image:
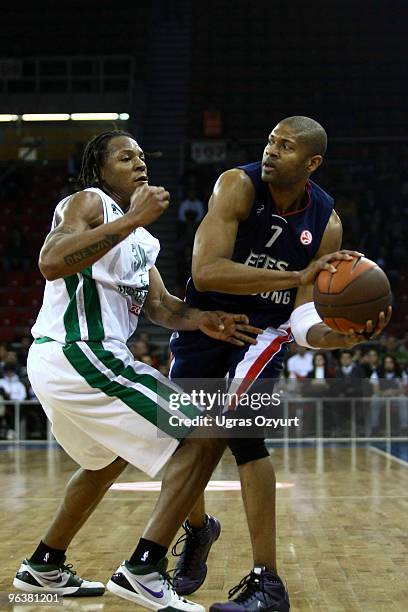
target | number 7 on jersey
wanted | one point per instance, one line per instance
(275, 235)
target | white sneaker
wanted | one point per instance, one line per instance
(61, 579)
(150, 587)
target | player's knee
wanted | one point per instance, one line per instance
(205, 450)
(246, 450)
(106, 476)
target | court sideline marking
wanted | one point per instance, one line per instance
(374, 449)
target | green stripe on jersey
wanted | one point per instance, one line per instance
(93, 312)
(157, 386)
(133, 398)
(71, 321)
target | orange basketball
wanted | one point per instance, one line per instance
(357, 292)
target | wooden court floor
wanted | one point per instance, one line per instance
(342, 528)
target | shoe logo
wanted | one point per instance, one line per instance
(157, 594)
(145, 555)
(57, 580)
(260, 209)
(46, 557)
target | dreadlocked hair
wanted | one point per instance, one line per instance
(93, 157)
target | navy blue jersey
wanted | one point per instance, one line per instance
(272, 240)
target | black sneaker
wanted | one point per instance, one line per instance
(260, 590)
(191, 568)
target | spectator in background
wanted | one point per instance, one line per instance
(11, 384)
(348, 384)
(191, 208)
(316, 384)
(317, 379)
(370, 368)
(357, 355)
(389, 384)
(11, 359)
(301, 363)
(350, 373)
(370, 363)
(139, 349)
(399, 350)
(388, 345)
(11, 387)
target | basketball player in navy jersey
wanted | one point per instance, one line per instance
(258, 251)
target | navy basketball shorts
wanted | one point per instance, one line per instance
(244, 373)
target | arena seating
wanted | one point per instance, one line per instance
(25, 222)
(275, 73)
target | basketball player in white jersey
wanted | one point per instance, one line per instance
(106, 409)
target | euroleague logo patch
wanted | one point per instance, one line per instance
(306, 237)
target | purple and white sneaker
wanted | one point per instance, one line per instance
(149, 586)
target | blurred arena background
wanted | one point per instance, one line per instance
(200, 85)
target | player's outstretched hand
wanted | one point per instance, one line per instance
(370, 332)
(232, 328)
(308, 275)
(147, 203)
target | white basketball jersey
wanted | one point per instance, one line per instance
(104, 300)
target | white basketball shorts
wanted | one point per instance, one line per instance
(103, 404)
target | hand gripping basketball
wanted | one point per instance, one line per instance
(357, 297)
(370, 332)
(309, 274)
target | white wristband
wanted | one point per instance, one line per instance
(301, 320)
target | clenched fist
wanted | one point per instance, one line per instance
(147, 204)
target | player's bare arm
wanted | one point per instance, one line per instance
(81, 237)
(169, 311)
(212, 268)
(321, 335)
